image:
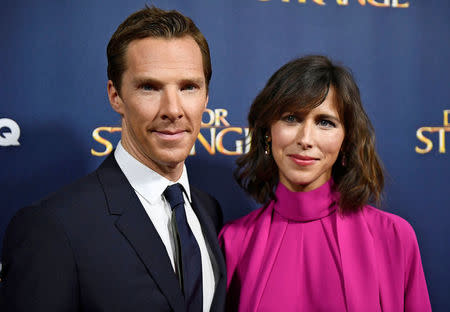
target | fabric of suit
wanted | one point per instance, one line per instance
(92, 247)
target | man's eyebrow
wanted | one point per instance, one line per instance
(147, 80)
(154, 81)
(194, 80)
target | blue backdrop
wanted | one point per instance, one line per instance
(53, 96)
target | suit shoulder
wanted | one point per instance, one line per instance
(203, 195)
(38, 260)
(85, 197)
(80, 190)
(70, 204)
(31, 228)
(28, 217)
(211, 206)
(47, 209)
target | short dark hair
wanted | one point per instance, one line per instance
(157, 23)
(303, 84)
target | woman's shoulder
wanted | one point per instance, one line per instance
(245, 223)
(240, 230)
(385, 223)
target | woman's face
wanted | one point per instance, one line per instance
(305, 147)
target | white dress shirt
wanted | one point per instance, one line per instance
(149, 187)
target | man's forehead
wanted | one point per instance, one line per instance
(184, 50)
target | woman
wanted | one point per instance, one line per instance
(316, 244)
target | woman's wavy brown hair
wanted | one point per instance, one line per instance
(303, 84)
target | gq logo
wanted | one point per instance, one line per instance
(9, 132)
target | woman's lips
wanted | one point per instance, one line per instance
(303, 160)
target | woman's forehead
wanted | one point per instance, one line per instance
(329, 106)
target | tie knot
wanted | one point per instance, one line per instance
(174, 195)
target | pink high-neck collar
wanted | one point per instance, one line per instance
(306, 206)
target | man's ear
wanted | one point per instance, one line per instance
(114, 98)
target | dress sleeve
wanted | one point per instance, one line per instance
(226, 237)
(39, 271)
(416, 293)
(231, 240)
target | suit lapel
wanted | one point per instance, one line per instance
(135, 225)
(210, 235)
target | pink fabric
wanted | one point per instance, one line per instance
(299, 254)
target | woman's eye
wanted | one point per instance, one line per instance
(289, 118)
(326, 123)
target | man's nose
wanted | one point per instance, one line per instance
(171, 107)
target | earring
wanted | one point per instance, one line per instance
(343, 160)
(267, 146)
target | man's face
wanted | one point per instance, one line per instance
(161, 101)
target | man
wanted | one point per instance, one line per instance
(121, 239)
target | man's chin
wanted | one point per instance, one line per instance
(171, 160)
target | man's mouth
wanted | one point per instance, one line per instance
(170, 134)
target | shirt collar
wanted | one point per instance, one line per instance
(144, 180)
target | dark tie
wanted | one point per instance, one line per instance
(188, 259)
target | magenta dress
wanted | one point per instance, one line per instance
(299, 254)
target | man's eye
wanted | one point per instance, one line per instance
(147, 87)
(189, 87)
(327, 123)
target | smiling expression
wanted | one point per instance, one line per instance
(162, 98)
(306, 146)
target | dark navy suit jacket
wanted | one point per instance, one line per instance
(92, 247)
